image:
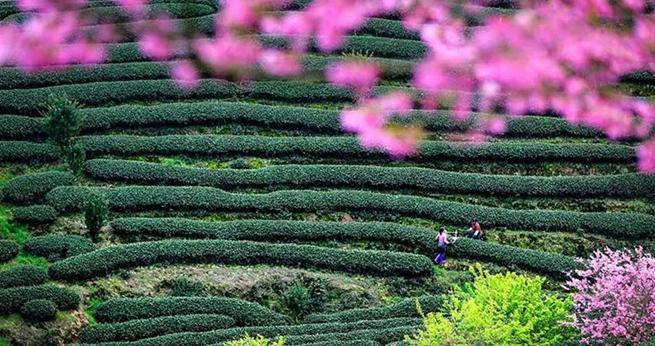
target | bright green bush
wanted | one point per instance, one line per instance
(58, 246)
(22, 275)
(420, 239)
(404, 308)
(36, 214)
(138, 198)
(12, 299)
(376, 177)
(360, 342)
(244, 312)
(340, 147)
(302, 333)
(109, 259)
(28, 152)
(151, 327)
(255, 341)
(32, 188)
(8, 250)
(39, 310)
(501, 309)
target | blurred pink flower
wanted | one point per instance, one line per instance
(646, 156)
(185, 74)
(279, 63)
(358, 75)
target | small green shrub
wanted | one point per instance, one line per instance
(22, 275)
(75, 156)
(183, 287)
(297, 299)
(12, 299)
(36, 214)
(95, 214)
(240, 164)
(39, 310)
(256, 341)
(32, 188)
(8, 250)
(62, 119)
(58, 246)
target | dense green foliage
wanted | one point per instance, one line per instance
(404, 308)
(420, 239)
(22, 275)
(339, 147)
(386, 178)
(36, 214)
(281, 117)
(32, 188)
(255, 341)
(302, 333)
(27, 101)
(28, 152)
(244, 312)
(138, 198)
(146, 328)
(12, 299)
(11, 78)
(62, 120)
(75, 157)
(39, 310)
(95, 214)
(8, 250)
(109, 259)
(58, 246)
(500, 309)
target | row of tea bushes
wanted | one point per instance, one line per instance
(110, 259)
(141, 198)
(375, 177)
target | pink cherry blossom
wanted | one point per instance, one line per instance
(185, 74)
(280, 64)
(646, 156)
(358, 75)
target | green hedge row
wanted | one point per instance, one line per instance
(282, 117)
(339, 147)
(404, 308)
(8, 250)
(32, 188)
(388, 178)
(39, 310)
(386, 334)
(13, 127)
(58, 246)
(147, 328)
(110, 259)
(387, 28)
(11, 299)
(301, 330)
(128, 309)
(29, 101)
(115, 14)
(137, 198)
(22, 275)
(36, 214)
(28, 152)
(421, 240)
(8, 7)
(13, 78)
(376, 46)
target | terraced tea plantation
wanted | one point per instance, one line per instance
(242, 208)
